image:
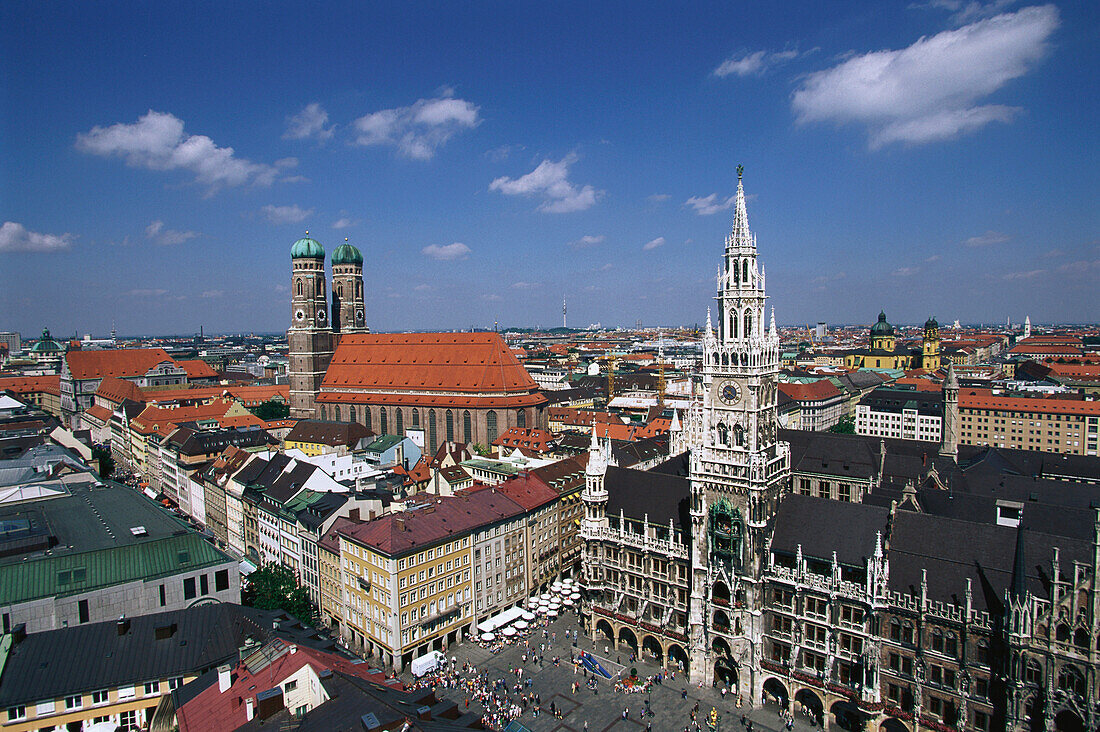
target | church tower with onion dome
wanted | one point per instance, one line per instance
(309, 339)
(737, 464)
(348, 312)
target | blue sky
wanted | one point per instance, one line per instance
(157, 160)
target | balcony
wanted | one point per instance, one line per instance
(364, 584)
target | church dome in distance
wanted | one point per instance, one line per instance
(46, 344)
(931, 322)
(307, 248)
(882, 328)
(347, 254)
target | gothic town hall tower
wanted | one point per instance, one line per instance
(737, 465)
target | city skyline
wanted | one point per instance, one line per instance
(929, 159)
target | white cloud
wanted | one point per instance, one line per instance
(587, 241)
(933, 258)
(423, 288)
(607, 267)
(15, 237)
(658, 197)
(419, 130)
(157, 142)
(344, 222)
(989, 238)
(551, 181)
(492, 297)
(1024, 275)
(147, 292)
(312, 121)
(167, 237)
(286, 214)
(653, 244)
(823, 279)
(210, 294)
(755, 63)
(708, 205)
(930, 90)
(905, 271)
(521, 285)
(966, 12)
(446, 252)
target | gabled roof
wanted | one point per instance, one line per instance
(196, 368)
(639, 494)
(31, 384)
(115, 390)
(474, 363)
(815, 391)
(121, 363)
(333, 434)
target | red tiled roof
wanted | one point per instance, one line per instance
(114, 389)
(196, 368)
(124, 362)
(814, 391)
(528, 491)
(31, 384)
(531, 438)
(213, 709)
(513, 401)
(986, 399)
(155, 419)
(103, 414)
(473, 363)
(444, 518)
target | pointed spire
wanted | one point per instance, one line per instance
(740, 235)
(950, 382)
(710, 328)
(771, 325)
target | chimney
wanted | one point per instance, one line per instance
(400, 524)
(123, 625)
(18, 634)
(372, 514)
(269, 702)
(249, 710)
(225, 678)
(353, 514)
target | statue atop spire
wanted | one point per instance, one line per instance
(740, 235)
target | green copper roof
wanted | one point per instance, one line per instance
(882, 327)
(347, 254)
(307, 247)
(46, 344)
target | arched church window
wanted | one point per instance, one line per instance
(725, 360)
(340, 291)
(351, 414)
(736, 273)
(359, 288)
(748, 324)
(382, 421)
(723, 434)
(745, 271)
(467, 427)
(416, 417)
(431, 430)
(298, 287)
(321, 287)
(491, 426)
(521, 418)
(733, 324)
(450, 426)
(739, 435)
(366, 417)
(399, 419)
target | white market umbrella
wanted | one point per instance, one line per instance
(546, 596)
(522, 624)
(527, 616)
(567, 602)
(552, 613)
(555, 606)
(532, 602)
(542, 610)
(488, 637)
(508, 632)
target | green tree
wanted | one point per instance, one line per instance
(272, 409)
(106, 462)
(274, 587)
(846, 426)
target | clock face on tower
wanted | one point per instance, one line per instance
(729, 393)
(299, 314)
(320, 316)
(359, 315)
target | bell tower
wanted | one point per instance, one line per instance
(930, 345)
(348, 313)
(309, 338)
(737, 465)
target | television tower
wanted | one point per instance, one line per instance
(563, 325)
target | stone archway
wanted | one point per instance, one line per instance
(848, 716)
(893, 724)
(1068, 721)
(604, 627)
(720, 621)
(725, 672)
(774, 689)
(678, 657)
(626, 635)
(810, 704)
(720, 593)
(652, 647)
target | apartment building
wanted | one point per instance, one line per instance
(902, 414)
(1070, 426)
